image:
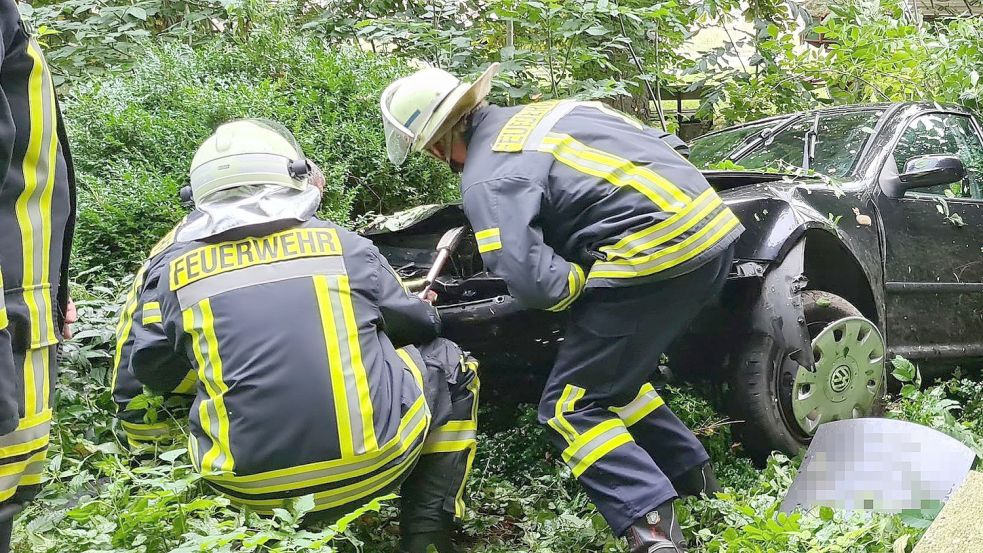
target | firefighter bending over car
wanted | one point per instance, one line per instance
(577, 206)
(37, 217)
(314, 371)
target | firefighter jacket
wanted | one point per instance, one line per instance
(296, 338)
(37, 198)
(565, 195)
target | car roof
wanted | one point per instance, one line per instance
(891, 107)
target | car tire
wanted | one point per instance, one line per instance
(761, 403)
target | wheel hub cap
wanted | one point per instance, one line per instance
(848, 376)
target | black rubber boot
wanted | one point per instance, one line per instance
(696, 481)
(421, 542)
(6, 527)
(657, 532)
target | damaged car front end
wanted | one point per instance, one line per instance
(798, 336)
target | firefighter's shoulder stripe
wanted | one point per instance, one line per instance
(216, 259)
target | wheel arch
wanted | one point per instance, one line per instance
(829, 265)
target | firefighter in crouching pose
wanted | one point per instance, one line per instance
(577, 206)
(313, 370)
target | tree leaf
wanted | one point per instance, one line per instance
(137, 12)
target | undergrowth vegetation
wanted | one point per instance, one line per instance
(100, 497)
(146, 81)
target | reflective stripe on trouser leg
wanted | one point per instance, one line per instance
(438, 482)
(23, 451)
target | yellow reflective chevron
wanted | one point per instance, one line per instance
(489, 240)
(594, 444)
(566, 404)
(615, 170)
(575, 286)
(645, 402)
(700, 241)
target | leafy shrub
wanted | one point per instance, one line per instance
(134, 134)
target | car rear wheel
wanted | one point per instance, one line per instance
(782, 411)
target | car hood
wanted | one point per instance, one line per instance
(734, 186)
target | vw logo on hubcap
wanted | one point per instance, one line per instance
(840, 379)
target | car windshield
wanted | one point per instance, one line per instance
(709, 150)
(840, 137)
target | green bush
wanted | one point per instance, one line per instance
(134, 134)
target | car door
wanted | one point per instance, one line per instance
(933, 241)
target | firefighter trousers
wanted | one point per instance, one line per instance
(615, 432)
(433, 492)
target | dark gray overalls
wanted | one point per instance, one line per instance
(577, 206)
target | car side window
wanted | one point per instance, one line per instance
(945, 133)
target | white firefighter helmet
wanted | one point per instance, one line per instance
(249, 172)
(248, 152)
(419, 109)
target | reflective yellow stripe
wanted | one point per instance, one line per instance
(12, 474)
(594, 444)
(187, 385)
(645, 402)
(151, 313)
(353, 404)
(33, 213)
(346, 495)
(33, 206)
(3, 304)
(358, 367)
(575, 285)
(411, 364)
(199, 322)
(149, 432)
(412, 427)
(618, 171)
(664, 231)
(218, 384)
(32, 433)
(489, 240)
(566, 404)
(700, 241)
(333, 346)
(474, 387)
(451, 437)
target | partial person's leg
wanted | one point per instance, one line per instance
(433, 493)
(595, 370)
(664, 315)
(6, 527)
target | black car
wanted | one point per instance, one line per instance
(864, 240)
